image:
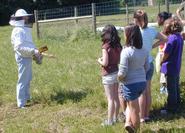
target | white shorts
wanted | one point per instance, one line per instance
(162, 78)
(158, 61)
(110, 78)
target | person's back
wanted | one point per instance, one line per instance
(132, 74)
(148, 35)
(113, 58)
(111, 49)
(174, 48)
(136, 60)
(171, 63)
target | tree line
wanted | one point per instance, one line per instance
(8, 7)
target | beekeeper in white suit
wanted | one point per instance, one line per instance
(25, 49)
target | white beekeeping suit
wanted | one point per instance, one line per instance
(25, 49)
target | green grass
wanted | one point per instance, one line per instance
(67, 94)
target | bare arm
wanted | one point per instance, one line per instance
(183, 35)
(104, 59)
(123, 66)
(156, 44)
(161, 39)
(164, 58)
(178, 14)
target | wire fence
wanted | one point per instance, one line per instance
(68, 19)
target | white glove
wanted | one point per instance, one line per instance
(37, 57)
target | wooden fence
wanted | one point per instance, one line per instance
(75, 18)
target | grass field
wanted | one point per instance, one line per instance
(67, 94)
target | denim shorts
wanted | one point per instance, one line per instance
(110, 78)
(131, 92)
(149, 73)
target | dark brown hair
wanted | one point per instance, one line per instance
(163, 16)
(172, 25)
(133, 36)
(110, 36)
(141, 16)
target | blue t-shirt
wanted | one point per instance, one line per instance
(174, 48)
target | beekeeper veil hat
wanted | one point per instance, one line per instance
(18, 18)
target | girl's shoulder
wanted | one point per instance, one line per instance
(105, 46)
(173, 36)
(150, 28)
(128, 50)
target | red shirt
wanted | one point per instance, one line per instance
(113, 59)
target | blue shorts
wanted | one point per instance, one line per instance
(131, 92)
(150, 72)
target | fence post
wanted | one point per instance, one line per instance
(94, 17)
(127, 14)
(76, 14)
(184, 11)
(159, 7)
(37, 24)
(167, 5)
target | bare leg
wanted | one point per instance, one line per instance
(116, 101)
(148, 98)
(134, 113)
(109, 91)
(142, 105)
(128, 116)
(123, 103)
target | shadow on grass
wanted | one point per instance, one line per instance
(170, 130)
(180, 113)
(62, 96)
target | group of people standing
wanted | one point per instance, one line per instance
(127, 71)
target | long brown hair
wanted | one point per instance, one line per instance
(172, 25)
(133, 36)
(141, 16)
(110, 36)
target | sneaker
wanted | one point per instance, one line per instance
(129, 128)
(115, 120)
(163, 90)
(22, 107)
(121, 117)
(164, 112)
(166, 91)
(107, 123)
(142, 120)
(147, 119)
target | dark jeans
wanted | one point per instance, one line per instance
(173, 99)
